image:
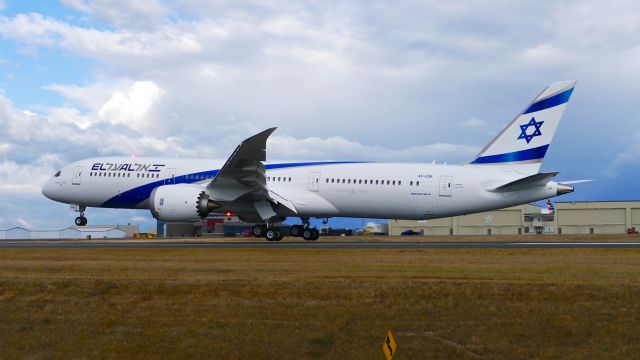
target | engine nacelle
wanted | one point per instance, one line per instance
(174, 203)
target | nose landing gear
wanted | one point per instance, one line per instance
(80, 220)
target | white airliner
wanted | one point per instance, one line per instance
(505, 173)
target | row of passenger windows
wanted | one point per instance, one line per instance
(279, 178)
(368, 182)
(198, 177)
(128, 175)
(349, 181)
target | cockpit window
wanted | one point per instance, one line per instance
(57, 174)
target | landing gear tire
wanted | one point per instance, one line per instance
(296, 230)
(310, 234)
(81, 221)
(259, 230)
(273, 235)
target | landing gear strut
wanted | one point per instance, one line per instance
(81, 220)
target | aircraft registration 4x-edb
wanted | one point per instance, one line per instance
(505, 173)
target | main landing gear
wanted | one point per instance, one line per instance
(274, 234)
(80, 220)
(267, 231)
(304, 231)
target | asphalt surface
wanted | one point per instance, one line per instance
(31, 244)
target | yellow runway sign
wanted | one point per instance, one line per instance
(389, 346)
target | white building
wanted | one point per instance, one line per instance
(19, 233)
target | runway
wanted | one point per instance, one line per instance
(31, 244)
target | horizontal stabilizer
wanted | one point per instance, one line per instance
(526, 182)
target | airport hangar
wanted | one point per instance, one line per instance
(575, 217)
(579, 217)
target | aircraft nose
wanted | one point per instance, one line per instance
(47, 190)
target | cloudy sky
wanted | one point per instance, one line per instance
(342, 80)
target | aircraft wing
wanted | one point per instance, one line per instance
(242, 178)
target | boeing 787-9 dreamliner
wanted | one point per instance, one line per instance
(504, 173)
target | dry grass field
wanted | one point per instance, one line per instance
(319, 304)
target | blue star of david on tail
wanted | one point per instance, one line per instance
(525, 127)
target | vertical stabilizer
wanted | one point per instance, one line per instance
(523, 144)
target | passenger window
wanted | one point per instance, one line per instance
(327, 180)
(399, 182)
(290, 179)
(417, 183)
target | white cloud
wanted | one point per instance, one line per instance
(35, 30)
(24, 223)
(121, 13)
(26, 180)
(628, 157)
(5, 147)
(545, 55)
(132, 109)
(339, 148)
(474, 123)
(353, 81)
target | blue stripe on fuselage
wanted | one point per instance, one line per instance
(523, 155)
(131, 198)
